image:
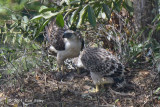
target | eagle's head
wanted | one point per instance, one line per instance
(71, 35)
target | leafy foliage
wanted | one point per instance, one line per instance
(59, 20)
(81, 11)
(91, 16)
(19, 7)
(20, 50)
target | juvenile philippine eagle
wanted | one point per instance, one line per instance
(63, 43)
(104, 67)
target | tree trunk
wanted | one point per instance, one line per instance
(156, 35)
(144, 13)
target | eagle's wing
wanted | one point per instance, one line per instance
(101, 61)
(54, 35)
(82, 41)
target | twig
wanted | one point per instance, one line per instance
(123, 94)
(45, 79)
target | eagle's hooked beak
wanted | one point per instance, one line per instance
(67, 35)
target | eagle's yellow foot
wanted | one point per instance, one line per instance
(61, 69)
(97, 88)
(78, 70)
(94, 90)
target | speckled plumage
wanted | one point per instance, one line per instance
(103, 65)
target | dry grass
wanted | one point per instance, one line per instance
(42, 89)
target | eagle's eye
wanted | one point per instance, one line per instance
(67, 35)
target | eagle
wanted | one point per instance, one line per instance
(63, 43)
(104, 67)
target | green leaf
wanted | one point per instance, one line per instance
(5, 40)
(107, 11)
(127, 7)
(156, 18)
(116, 100)
(14, 17)
(14, 38)
(24, 22)
(20, 39)
(91, 16)
(157, 90)
(73, 16)
(45, 13)
(42, 8)
(48, 9)
(97, 7)
(38, 17)
(117, 5)
(75, 2)
(60, 20)
(48, 14)
(103, 15)
(81, 16)
(67, 2)
(150, 34)
(129, 2)
(0, 75)
(97, 11)
(35, 46)
(41, 28)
